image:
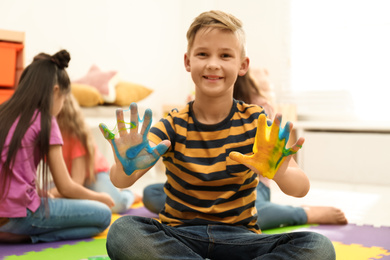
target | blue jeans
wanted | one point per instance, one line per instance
(154, 197)
(123, 198)
(271, 215)
(133, 237)
(67, 219)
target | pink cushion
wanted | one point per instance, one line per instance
(103, 81)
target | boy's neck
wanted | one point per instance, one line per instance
(211, 112)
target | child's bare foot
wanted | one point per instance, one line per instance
(137, 198)
(325, 215)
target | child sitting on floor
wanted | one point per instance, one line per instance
(86, 165)
(271, 215)
(213, 151)
(29, 134)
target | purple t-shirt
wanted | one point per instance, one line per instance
(23, 193)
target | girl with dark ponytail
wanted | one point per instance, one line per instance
(31, 143)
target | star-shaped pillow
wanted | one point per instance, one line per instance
(103, 81)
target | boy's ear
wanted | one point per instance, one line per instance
(187, 62)
(244, 67)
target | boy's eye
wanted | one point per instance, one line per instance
(225, 55)
(202, 54)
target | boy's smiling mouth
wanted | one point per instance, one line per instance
(212, 77)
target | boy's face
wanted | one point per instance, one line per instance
(215, 61)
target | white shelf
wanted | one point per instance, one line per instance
(353, 126)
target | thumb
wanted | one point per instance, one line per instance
(162, 147)
(243, 159)
(238, 157)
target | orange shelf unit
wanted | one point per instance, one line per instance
(5, 94)
(11, 61)
(8, 54)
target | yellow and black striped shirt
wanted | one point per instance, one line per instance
(204, 186)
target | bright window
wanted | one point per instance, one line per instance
(340, 49)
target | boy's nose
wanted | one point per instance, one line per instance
(212, 65)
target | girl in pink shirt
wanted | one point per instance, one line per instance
(30, 135)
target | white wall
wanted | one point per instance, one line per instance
(332, 156)
(145, 40)
(341, 59)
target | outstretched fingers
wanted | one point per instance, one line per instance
(261, 132)
(275, 128)
(278, 119)
(147, 121)
(298, 145)
(106, 132)
(120, 122)
(133, 118)
(261, 125)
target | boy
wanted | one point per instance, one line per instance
(210, 208)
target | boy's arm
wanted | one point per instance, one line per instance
(271, 159)
(121, 180)
(133, 153)
(292, 180)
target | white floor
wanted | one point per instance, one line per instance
(362, 204)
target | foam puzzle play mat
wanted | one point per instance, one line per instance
(352, 242)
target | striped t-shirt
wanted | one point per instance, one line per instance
(204, 186)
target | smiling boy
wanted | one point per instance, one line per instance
(211, 168)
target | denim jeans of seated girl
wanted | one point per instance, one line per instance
(68, 219)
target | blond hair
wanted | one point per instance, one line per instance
(72, 124)
(216, 19)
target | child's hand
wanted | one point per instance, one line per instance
(269, 151)
(106, 199)
(132, 149)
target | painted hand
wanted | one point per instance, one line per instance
(132, 149)
(269, 151)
